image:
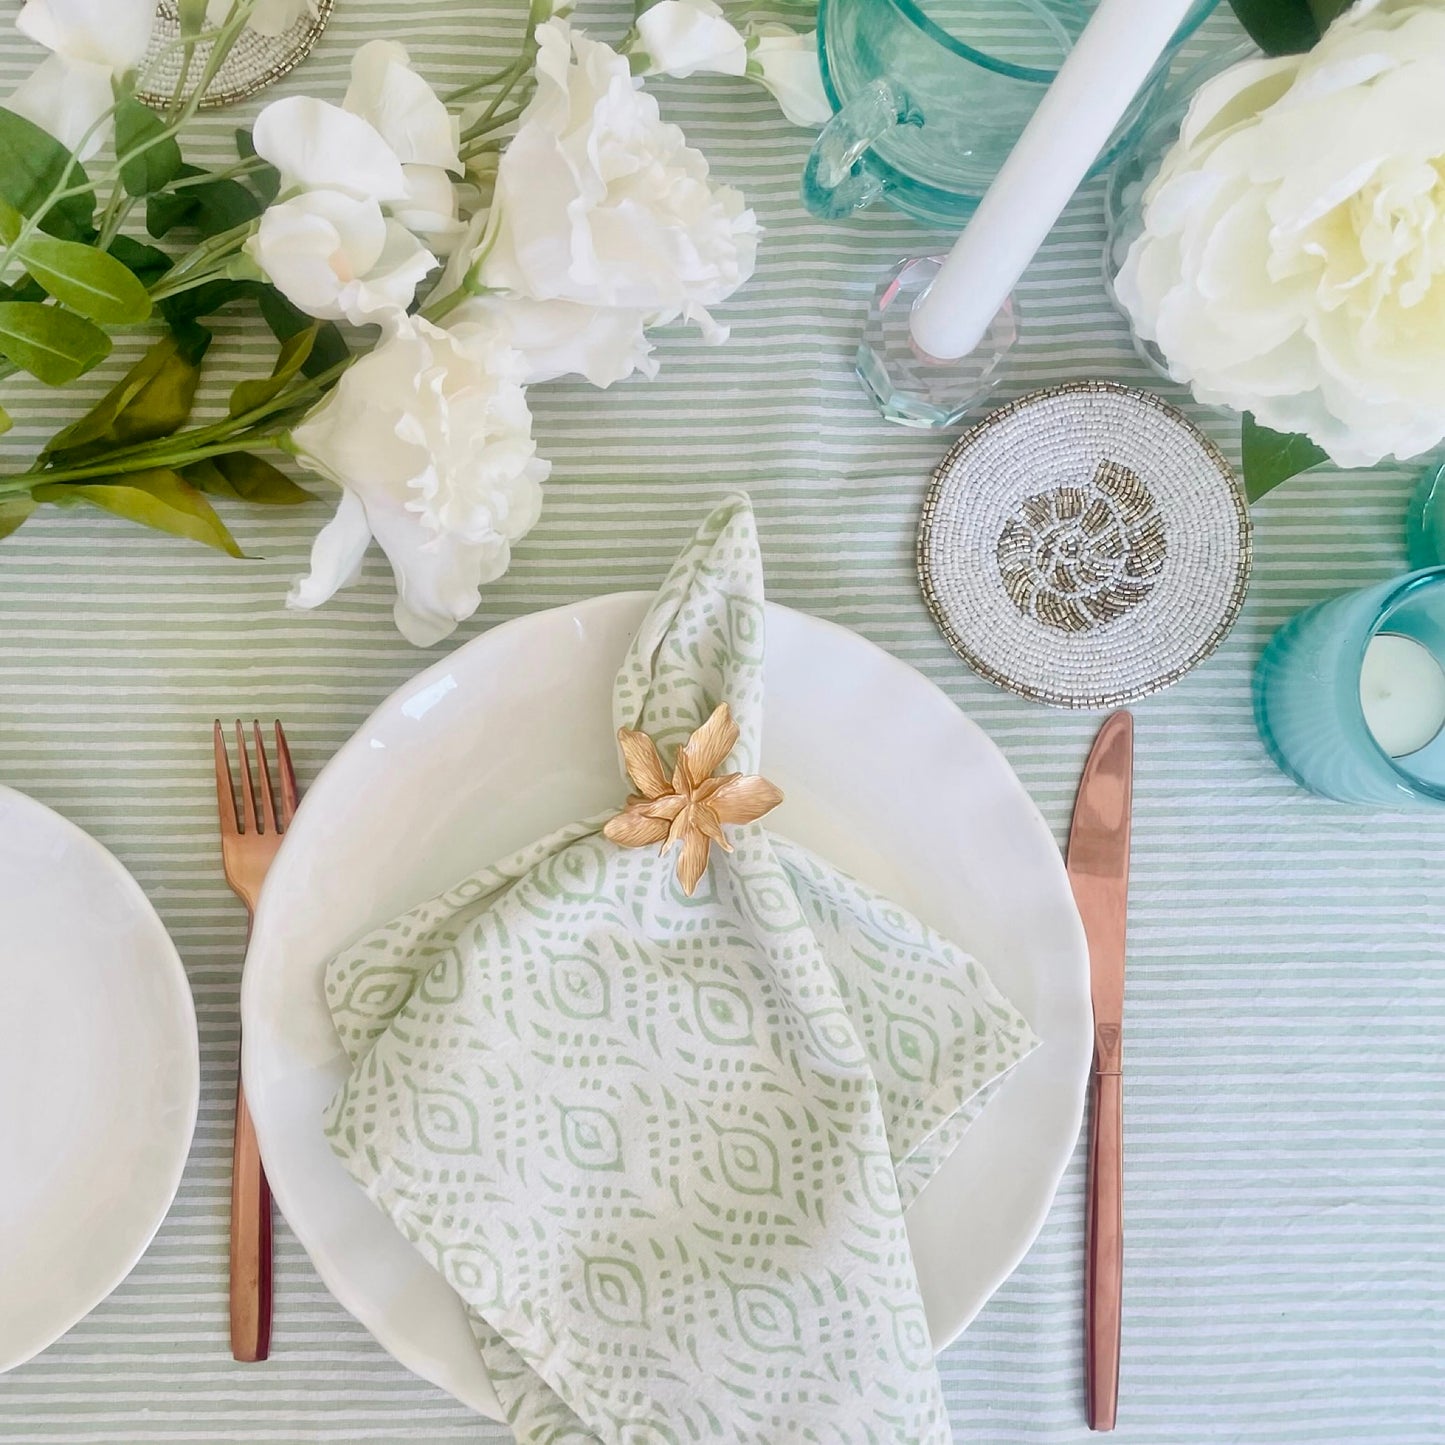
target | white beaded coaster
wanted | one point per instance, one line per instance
(1084, 546)
(255, 61)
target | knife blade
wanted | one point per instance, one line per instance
(1098, 867)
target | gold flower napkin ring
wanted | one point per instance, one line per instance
(693, 805)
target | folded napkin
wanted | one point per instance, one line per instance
(661, 1145)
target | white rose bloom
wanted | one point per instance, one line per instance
(339, 258)
(93, 42)
(599, 202)
(561, 338)
(430, 439)
(1292, 262)
(786, 63)
(682, 37)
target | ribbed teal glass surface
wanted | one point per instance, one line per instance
(1307, 694)
(932, 95)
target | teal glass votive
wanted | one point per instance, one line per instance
(1425, 519)
(1350, 695)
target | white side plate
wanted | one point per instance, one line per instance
(510, 737)
(99, 1075)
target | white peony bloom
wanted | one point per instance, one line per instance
(316, 145)
(1292, 261)
(561, 338)
(599, 202)
(430, 439)
(339, 258)
(787, 64)
(682, 37)
(93, 42)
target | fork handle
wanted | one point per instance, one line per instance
(250, 1242)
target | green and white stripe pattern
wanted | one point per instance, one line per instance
(1286, 1006)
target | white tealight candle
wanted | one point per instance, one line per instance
(1402, 693)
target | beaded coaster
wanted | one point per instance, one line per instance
(1084, 546)
(255, 61)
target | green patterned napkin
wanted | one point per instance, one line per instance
(660, 1145)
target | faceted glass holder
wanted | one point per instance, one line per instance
(907, 385)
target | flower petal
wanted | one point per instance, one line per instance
(707, 749)
(634, 829)
(692, 861)
(65, 97)
(644, 767)
(406, 112)
(336, 555)
(682, 37)
(112, 33)
(666, 807)
(745, 799)
(314, 144)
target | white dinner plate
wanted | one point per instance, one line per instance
(510, 737)
(99, 1075)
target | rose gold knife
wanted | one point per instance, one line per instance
(1098, 866)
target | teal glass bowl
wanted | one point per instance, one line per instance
(931, 95)
(1307, 694)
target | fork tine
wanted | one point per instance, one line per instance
(225, 784)
(248, 790)
(289, 792)
(268, 793)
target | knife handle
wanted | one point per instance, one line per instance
(1104, 1253)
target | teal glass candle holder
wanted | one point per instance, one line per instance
(1425, 519)
(1379, 744)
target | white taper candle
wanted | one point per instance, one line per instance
(1104, 71)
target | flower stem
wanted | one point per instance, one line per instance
(509, 72)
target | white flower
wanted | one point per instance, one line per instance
(682, 37)
(267, 17)
(93, 42)
(599, 202)
(787, 64)
(562, 338)
(423, 135)
(316, 145)
(430, 438)
(1292, 262)
(338, 257)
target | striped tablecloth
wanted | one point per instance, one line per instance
(1286, 1013)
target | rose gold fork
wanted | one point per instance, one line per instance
(248, 845)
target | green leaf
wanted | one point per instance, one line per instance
(209, 207)
(5, 422)
(10, 222)
(158, 498)
(156, 166)
(151, 400)
(192, 16)
(14, 512)
(207, 298)
(146, 263)
(248, 478)
(1272, 457)
(285, 320)
(49, 342)
(91, 282)
(248, 395)
(31, 165)
(1278, 27)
